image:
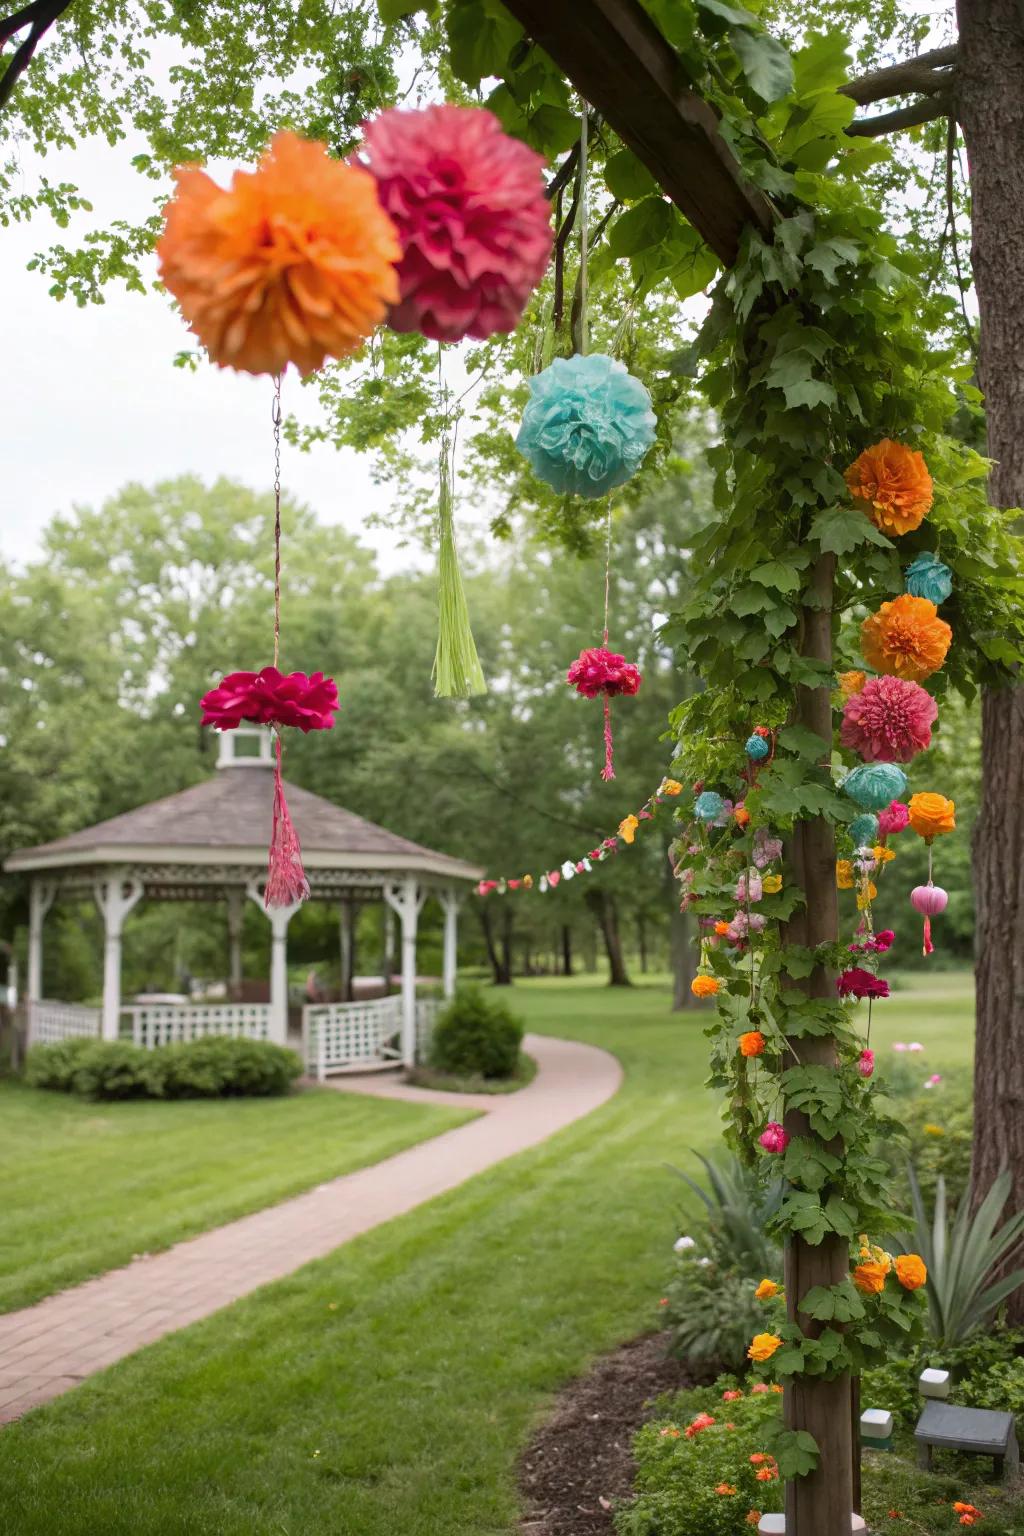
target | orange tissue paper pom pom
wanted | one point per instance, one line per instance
(851, 683)
(931, 815)
(870, 1278)
(752, 1043)
(911, 1271)
(766, 1290)
(293, 263)
(704, 986)
(906, 638)
(895, 483)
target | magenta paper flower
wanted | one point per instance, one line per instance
(469, 206)
(889, 720)
(883, 941)
(866, 1063)
(895, 818)
(270, 698)
(599, 670)
(774, 1138)
(856, 982)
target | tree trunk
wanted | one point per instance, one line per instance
(990, 107)
(641, 937)
(681, 948)
(505, 978)
(499, 971)
(567, 949)
(602, 905)
(821, 1503)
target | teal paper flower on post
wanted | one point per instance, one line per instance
(588, 425)
(928, 577)
(874, 785)
(864, 830)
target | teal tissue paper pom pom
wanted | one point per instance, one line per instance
(588, 425)
(864, 830)
(874, 785)
(757, 748)
(928, 577)
(708, 806)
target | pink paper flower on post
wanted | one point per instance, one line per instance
(269, 697)
(468, 203)
(856, 982)
(889, 720)
(774, 1138)
(866, 1063)
(895, 818)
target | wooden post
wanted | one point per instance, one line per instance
(822, 1503)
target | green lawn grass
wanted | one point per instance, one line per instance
(86, 1186)
(390, 1387)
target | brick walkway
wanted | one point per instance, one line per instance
(49, 1348)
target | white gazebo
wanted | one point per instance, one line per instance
(209, 843)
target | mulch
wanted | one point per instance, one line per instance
(578, 1466)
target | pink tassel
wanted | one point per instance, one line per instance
(929, 947)
(608, 771)
(286, 878)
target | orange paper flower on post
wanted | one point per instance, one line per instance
(906, 638)
(752, 1043)
(931, 815)
(911, 1271)
(869, 1278)
(293, 263)
(763, 1346)
(704, 986)
(894, 482)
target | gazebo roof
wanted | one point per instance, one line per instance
(225, 821)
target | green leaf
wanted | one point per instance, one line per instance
(795, 1450)
(628, 178)
(640, 227)
(812, 392)
(839, 530)
(830, 255)
(553, 130)
(481, 35)
(765, 62)
(733, 14)
(804, 742)
(394, 10)
(774, 574)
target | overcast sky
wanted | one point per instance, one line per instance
(92, 400)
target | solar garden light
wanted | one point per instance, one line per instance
(934, 1383)
(876, 1426)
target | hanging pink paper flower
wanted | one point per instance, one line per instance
(766, 848)
(866, 1063)
(469, 206)
(883, 941)
(856, 982)
(889, 720)
(270, 698)
(599, 670)
(774, 1138)
(895, 818)
(749, 887)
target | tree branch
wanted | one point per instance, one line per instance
(924, 111)
(924, 75)
(40, 16)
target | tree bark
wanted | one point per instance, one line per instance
(566, 950)
(641, 937)
(684, 969)
(990, 108)
(499, 971)
(602, 905)
(507, 924)
(820, 1504)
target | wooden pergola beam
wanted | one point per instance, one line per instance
(623, 66)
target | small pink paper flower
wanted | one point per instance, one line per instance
(866, 1063)
(856, 982)
(899, 1045)
(889, 720)
(469, 206)
(883, 941)
(749, 887)
(774, 1138)
(895, 818)
(766, 848)
(599, 670)
(270, 698)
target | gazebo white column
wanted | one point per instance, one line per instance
(450, 900)
(236, 899)
(279, 918)
(115, 896)
(407, 900)
(40, 900)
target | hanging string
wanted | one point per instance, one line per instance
(275, 416)
(584, 236)
(607, 563)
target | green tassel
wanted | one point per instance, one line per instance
(457, 671)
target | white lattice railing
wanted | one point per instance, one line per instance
(48, 1022)
(427, 1010)
(337, 1036)
(152, 1024)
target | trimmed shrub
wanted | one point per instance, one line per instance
(475, 1034)
(215, 1067)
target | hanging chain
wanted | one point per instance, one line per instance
(275, 416)
(584, 236)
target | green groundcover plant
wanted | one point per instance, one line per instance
(217, 1067)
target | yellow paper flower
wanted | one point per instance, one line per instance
(883, 855)
(766, 1290)
(671, 787)
(866, 896)
(844, 874)
(851, 683)
(627, 828)
(763, 1346)
(933, 1130)
(771, 884)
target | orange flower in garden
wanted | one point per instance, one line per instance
(767, 1474)
(870, 1278)
(931, 815)
(701, 1422)
(776, 1388)
(766, 1290)
(844, 874)
(754, 1517)
(911, 1271)
(671, 1433)
(761, 1458)
(731, 1397)
(742, 815)
(752, 1043)
(969, 1513)
(763, 1346)
(627, 828)
(906, 638)
(293, 263)
(704, 986)
(721, 928)
(725, 1489)
(851, 683)
(895, 482)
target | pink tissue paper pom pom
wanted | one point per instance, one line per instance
(889, 721)
(602, 671)
(866, 1064)
(856, 982)
(895, 818)
(773, 1138)
(271, 698)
